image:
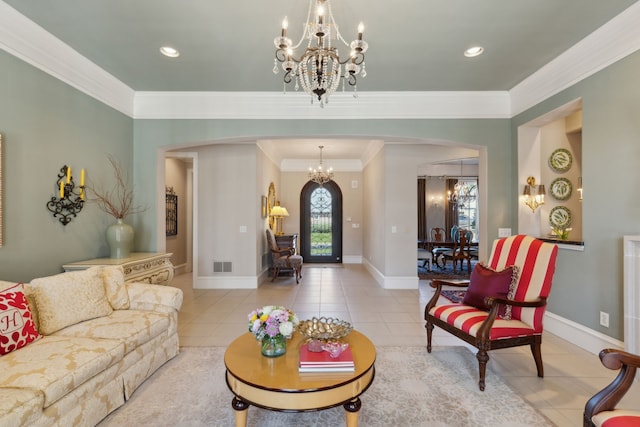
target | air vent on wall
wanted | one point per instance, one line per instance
(222, 266)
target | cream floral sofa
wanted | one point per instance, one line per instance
(99, 339)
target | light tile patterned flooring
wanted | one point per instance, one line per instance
(395, 318)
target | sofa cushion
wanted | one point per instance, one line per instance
(20, 407)
(116, 289)
(17, 328)
(132, 327)
(56, 365)
(68, 298)
(469, 319)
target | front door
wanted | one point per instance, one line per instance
(321, 223)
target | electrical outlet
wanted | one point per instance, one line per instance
(604, 319)
(504, 232)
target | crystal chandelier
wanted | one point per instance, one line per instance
(319, 69)
(319, 175)
(462, 192)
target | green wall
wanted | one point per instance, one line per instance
(46, 124)
(591, 281)
(150, 135)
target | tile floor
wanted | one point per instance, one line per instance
(395, 318)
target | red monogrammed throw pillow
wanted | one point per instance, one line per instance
(17, 328)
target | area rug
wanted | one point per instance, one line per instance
(411, 388)
(445, 273)
(453, 296)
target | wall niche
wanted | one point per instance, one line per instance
(550, 150)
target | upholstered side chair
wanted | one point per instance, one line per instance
(283, 258)
(504, 303)
(600, 410)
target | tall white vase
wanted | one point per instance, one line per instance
(120, 239)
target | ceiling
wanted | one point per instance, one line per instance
(227, 45)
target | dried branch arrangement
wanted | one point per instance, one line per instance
(118, 201)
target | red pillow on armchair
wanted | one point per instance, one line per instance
(486, 282)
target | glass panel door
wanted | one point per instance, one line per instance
(321, 223)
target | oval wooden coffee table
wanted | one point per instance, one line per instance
(276, 384)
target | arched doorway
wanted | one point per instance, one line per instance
(321, 223)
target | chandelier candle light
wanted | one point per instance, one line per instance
(319, 69)
(319, 175)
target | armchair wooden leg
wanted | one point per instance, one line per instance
(276, 271)
(537, 356)
(483, 358)
(429, 327)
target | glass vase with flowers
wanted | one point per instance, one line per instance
(272, 325)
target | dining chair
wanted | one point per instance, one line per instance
(436, 234)
(461, 250)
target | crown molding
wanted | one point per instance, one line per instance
(29, 42)
(26, 40)
(337, 165)
(608, 44)
(295, 105)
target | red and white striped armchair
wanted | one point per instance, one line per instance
(500, 320)
(600, 410)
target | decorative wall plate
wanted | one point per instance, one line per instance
(560, 217)
(560, 160)
(561, 188)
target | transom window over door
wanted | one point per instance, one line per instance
(321, 223)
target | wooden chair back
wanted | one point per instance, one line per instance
(437, 234)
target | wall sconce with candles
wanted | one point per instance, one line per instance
(278, 213)
(69, 199)
(437, 200)
(533, 194)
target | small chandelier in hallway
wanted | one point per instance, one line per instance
(319, 69)
(319, 175)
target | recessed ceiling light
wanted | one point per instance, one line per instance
(473, 51)
(169, 51)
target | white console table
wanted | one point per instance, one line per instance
(145, 267)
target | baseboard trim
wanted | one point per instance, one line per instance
(352, 259)
(391, 282)
(180, 269)
(401, 282)
(575, 333)
(226, 282)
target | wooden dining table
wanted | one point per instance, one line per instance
(429, 245)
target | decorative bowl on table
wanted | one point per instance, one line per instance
(324, 328)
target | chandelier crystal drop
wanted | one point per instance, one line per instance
(462, 193)
(319, 70)
(319, 175)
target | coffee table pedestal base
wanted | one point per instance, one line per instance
(241, 410)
